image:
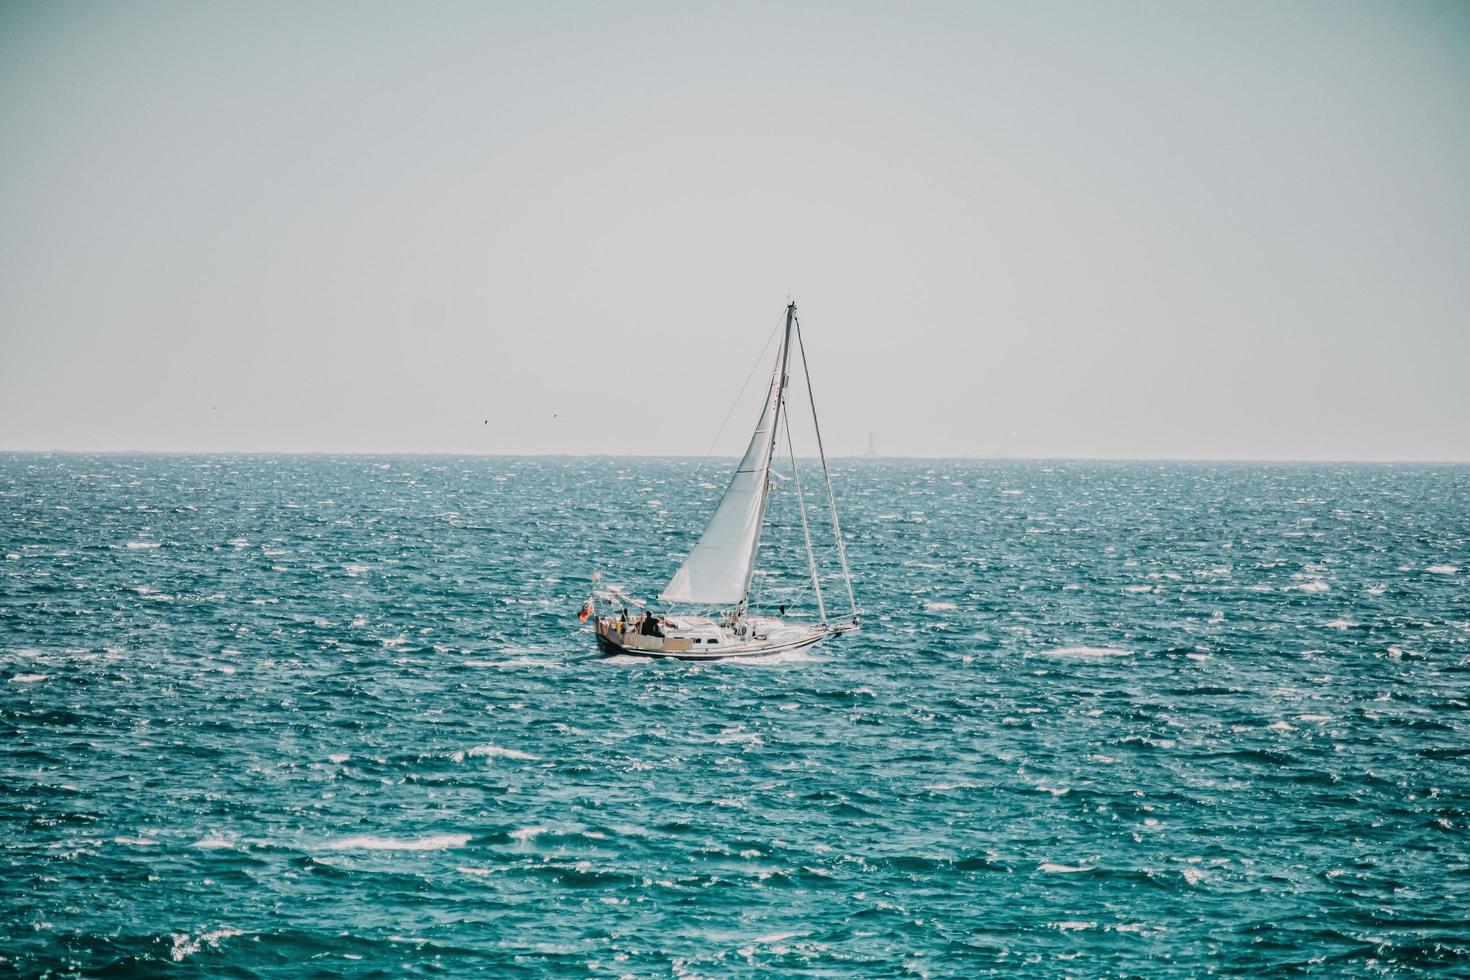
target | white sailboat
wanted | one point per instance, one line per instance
(715, 579)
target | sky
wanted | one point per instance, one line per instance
(1113, 230)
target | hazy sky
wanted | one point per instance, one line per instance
(1047, 229)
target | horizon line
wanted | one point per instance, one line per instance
(994, 458)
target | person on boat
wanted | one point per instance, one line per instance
(649, 626)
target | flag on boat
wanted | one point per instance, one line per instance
(585, 611)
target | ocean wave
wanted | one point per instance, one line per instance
(734, 736)
(213, 842)
(475, 872)
(516, 662)
(494, 752)
(1085, 653)
(185, 945)
(525, 834)
(367, 842)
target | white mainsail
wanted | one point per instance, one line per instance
(717, 571)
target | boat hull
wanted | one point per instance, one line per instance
(609, 646)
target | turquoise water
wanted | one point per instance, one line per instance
(274, 716)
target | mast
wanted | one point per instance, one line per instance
(822, 454)
(765, 490)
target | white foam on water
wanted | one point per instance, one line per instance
(141, 545)
(185, 947)
(1073, 925)
(28, 678)
(528, 833)
(494, 752)
(1193, 875)
(213, 842)
(1314, 717)
(731, 736)
(475, 872)
(338, 758)
(1314, 585)
(939, 606)
(776, 937)
(1138, 588)
(135, 841)
(1281, 726)
(1340, 624)
(1051, 868)
(1442, 570)
(522, 662)
(802, 656)
(1087, 653)
(367, 842)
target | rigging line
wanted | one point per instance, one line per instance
(796, 593)
(736, 403)
(806, 532)
(831, 498)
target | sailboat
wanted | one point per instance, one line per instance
(714, 581)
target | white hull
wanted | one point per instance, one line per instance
(682, 636)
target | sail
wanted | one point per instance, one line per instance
(717, 571)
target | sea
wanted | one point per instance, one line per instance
(336, 716)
